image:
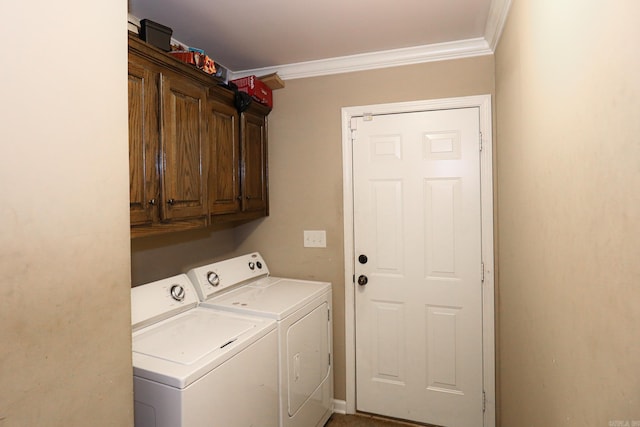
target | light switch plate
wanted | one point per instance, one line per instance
(315, 239)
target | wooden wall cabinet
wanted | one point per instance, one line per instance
(193, 160)
(238, 173)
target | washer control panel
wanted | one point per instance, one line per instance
(158, 300)
(213, 278)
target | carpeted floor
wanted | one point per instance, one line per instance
(362, 420)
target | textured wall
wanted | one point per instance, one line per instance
(305, 178)
(305, 163)
(65, 333)
(568, 97)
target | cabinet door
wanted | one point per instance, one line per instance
(143, 143)
(183, 189)
(224, 158)
(254, 161)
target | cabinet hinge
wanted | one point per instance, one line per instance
(484, 401)
(329, 356)
(482, 271)
(480, 141)
(328, 315)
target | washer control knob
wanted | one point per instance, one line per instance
(259, 265)
(213, 278)
(252, 265)
(177, 292)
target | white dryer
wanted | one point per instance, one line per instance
(302, 310)
(199, 367)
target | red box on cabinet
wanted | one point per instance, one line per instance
(256, 88)
(200, 60)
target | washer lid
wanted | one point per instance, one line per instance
(271, 297)
(181, 349)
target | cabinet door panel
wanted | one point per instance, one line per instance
(183, 150)
(143, 144)
(224, 150)
(255, 163)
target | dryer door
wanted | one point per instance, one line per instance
(308, 355)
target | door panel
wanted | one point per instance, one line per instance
(183, 130)
(254, 174)
(417, 219)
(143, 143)
(307, 357)
(224, 159)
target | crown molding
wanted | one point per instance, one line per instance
(498, 12)
(369, 61)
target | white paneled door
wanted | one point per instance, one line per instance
(418, 275)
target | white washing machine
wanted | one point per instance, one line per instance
(302, 310)
(200, 367)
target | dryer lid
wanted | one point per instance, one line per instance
(271, 297)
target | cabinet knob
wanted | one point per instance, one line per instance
(248, 197)
(171, 201)
(152, 202)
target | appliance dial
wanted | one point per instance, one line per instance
(177, 292)
(252, 265)
(259, 265)
(213, 278)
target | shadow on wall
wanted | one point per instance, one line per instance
(165, 255)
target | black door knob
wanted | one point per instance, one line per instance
(363, 259)
(362, 280)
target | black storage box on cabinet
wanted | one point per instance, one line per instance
(156, 34)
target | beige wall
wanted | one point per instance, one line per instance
(65, 355)
(305, 178)
(568, 103)
(157, 257)
(305, 161)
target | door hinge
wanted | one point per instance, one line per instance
(353, 126)
(484, 401)
(353, 279)
(328, 315)
(482, 271)
(480, 141)
(329, 356)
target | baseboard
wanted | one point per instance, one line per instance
(339, 406)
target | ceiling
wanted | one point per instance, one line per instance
(299, 38)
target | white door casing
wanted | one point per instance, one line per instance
(460, 372)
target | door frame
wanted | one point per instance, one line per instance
(483, 102)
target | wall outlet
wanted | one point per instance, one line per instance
(315, 239)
